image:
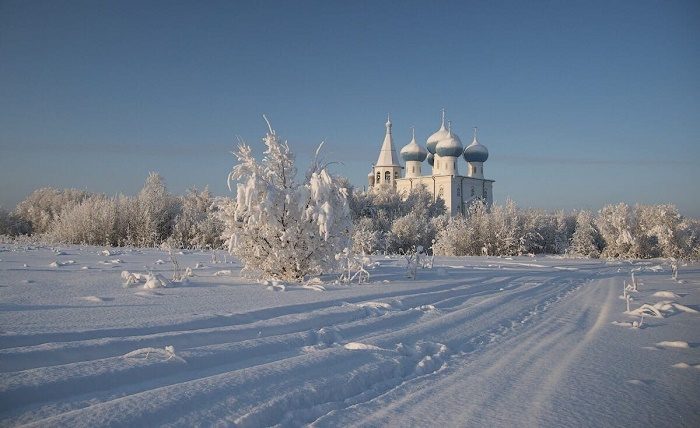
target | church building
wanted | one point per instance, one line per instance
(444, 150)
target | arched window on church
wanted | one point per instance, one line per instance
(387, 176)
(473, 191)
(396, 175)
(379, 177)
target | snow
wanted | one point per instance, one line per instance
(467, 343)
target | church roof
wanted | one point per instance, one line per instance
(438, 135)
(387, 155)
(476, 152)
(412, 151)
(450, 146)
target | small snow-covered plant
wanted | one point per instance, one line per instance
(430, 261)
(413, 261)
(352, 266)
(178, 275)
(639, 324)
(283, 228)
(634, 282)
(674, 268)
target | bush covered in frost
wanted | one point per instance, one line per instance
(281, 227)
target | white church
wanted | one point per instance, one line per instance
(444, 150)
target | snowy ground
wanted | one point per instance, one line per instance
(472, 342)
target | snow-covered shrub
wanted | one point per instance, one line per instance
(615, 223)
(466, 235)
(13, 225)
(365, 238)
(156, 210)
(352, 266)
(410, 231)
(395, 217)
(92, 221)
(504, 230)
(44, 205)
(413, 261)
(282, 228)
(585, 241)
(196, 225)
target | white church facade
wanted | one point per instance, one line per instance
(443, 153)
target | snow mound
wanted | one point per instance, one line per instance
(666, 295)
(163, 354)
(148, 280)
(686, 366)
(673, 344)
(375, 305)
(660, 309)
(59, 264)
(357, 346)
(275, 285)
(684, 308)
(94, 299)
(310, 285)
(156, 281)
(225, 272)
(633, 324)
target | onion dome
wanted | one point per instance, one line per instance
(438, 136)
(476, 152)
(431, 159)
(412, 151)
(450, 146)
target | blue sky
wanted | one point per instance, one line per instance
(579, 103)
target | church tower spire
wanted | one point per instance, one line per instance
(387, 169)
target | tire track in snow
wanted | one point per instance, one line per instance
(462, 382)
(543, 397)
(68, 373)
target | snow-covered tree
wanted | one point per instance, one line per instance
(507, 237)
(615, 223)
(156, 212)
(365, 238)
(281, 228)
(585, 241)
(44, 205)
(12, 225)
(92, 221)
(196, 225)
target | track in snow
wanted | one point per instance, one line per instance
(468, 346)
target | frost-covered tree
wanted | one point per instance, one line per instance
(507, 237)
(92, 222)
(44, 205)
(615, 223)
(365, 238)
(585, 241)
(565, 225)
(12, 225)
(156, 212)
(281, 228)
(196, 225)
(466, 235)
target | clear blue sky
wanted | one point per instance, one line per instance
(580, 103)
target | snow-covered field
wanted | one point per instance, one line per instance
(472, 342)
